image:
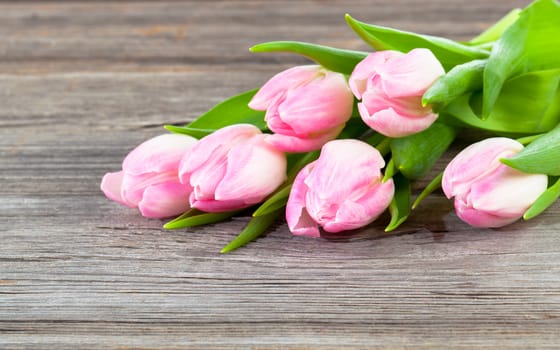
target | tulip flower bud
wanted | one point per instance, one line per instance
(488, 193)
(306, 106)
(342, 190)
(232, 168)
(149, 180)
(390, 85)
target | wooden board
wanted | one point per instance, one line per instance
(82, 83)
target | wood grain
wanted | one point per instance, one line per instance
(82, 83)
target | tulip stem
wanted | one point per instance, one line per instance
(374, 139)
(274, 202)
(432, 186)
(400, 204)
(384, 147)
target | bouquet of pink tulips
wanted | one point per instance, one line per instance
(333, 145)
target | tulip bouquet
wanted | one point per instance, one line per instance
(333, 145)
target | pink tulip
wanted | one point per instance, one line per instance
(488, 193)
(390, 85)
(306, 106)
(342, 190)
(232, 168)
(148, 179)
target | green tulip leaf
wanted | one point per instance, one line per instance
(274, 202)
(496, 30)
(400, 204)
(280, 197)
(545, 200)
(541, 156)
(460, 80)
(234, 110)
(390, 170)
(337, 60)
(528, 104)
(255, 228)
(416, 154)
(531, 43)
(194, 217)
(194, 132)
(450, 53)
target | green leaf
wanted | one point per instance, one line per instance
(279, 198)
(256, 227)
(450, 53)
(276, 201)
(531, 43)
(194, 132)
(528, 104)
(432, 186)
(545, 200)
(234, 110)
(400, 204)
(337, 60)
(496, 30)
(194, 217)
(390, 170)
(542, 156)
(302, 161)
(416, 154)
(461, 79)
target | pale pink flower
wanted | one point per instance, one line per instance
(232, 168)
(342, 190)
(390, 85)
(488, 193)
(306, 106)
(148, 179)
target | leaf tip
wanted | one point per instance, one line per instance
(169, 226)
(508, 162)
(255, 48)
(350, 20)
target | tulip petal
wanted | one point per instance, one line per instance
(111, 185)
(297, 217)
(254, 170)
(165, 200)
(411, 74)
(219, 142)
(275, 88)
(294, 144)
(275, 123)
(159, 154)
(475, 162)
(355, 214)
(507, 192)
(213, 206)
(321, 104)
(206, 178)
(392, 124)
(367, 68)
(479, 218)
(133, 186)
(340, 169)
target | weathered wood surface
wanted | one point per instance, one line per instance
(83, 83)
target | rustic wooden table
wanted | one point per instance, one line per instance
(83, 83)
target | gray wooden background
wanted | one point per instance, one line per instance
(82, 83)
